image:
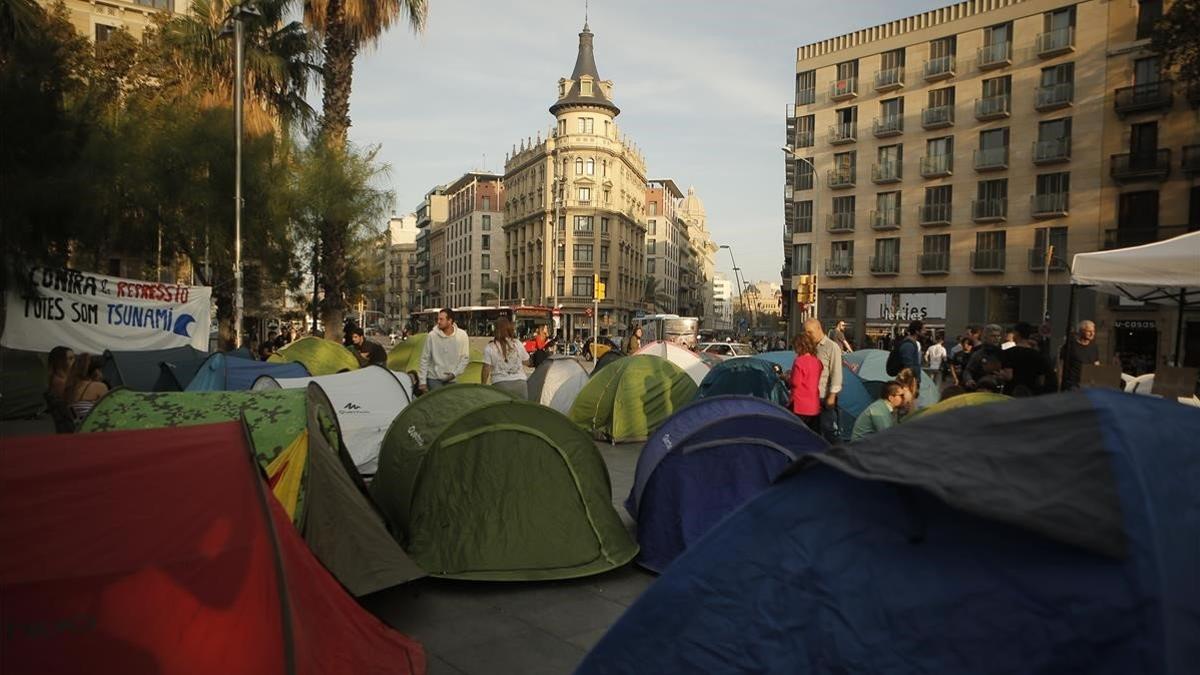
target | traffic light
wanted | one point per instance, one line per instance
(806, 291)
(599, 287)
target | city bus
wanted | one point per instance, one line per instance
(683, 330)
(480, 321)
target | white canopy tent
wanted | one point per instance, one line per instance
(1163, 272)
(366, 400)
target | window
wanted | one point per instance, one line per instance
(604, 226)
(804, 174)
(804, 212)
(578, 166)
(891, 109)
(997, 86)
(485, 242)
(583, 223)
(585, 87)
(993, 140)
(652, 227)
(1000, 34)
(891, 156)
(1054, 183)
(650, 265)
(562, 253)
(940, 147)
(485, 222)
(941, 195)
(990, 241)
(887, 249)
(806, 131)
(487, 204)
(590, 167)
(1147, 71)
(943, 48)
(652, 208)
(941, 97)
(892, 59)
(847, 118)
(103, 33)
(806, 87)
(652, 247)
(993, 189)
(560, 286)
(1057, 85)
(485, 261)
(581, 286)
(1143, 139)
(847, 70)
(585, 194)
(1054, 236)
(1138, 210)
(1055, 131)
(844, 163)
(886, 202)
(843, 204)
(802, 259)
(604, 166)
(585, 125)
(582, 253)
(936, 243)
(1149, 11)
(603, 255)
(841, 255)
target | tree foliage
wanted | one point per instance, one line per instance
(1177, 38)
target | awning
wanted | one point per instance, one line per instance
(1164, 272)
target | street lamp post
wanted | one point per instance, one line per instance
(499, 287)
(736, 277)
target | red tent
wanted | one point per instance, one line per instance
(162, 552)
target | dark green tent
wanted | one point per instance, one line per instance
(480, 486)
(142, 370)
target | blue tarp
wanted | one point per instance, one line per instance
(229, 373)
(1059, 537)
(746, 377)
(704, 462)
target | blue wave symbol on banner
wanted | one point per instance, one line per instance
(182, 323)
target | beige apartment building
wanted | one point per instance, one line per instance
(666, 238)
(473, 241)
(429, 272)
(399, 269)
(938, 158)
(100, 19)
(575, 208)
(698, 267)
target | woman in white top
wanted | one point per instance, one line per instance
(505, 360)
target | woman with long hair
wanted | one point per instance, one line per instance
(505, 360)
(911, 388)
(61, 361)
(806, 374)
(85, 385)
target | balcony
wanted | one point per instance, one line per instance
(936, 166)
(1054, 96)
(1191, 160)
(839, 179)
(1143, 97)
(991, 159)
(889, 78)
(1058, 260)
(989, 210)
(1049, 205)
(839, 267)
(987, 260)
(993, 107)
(840, 222)
(1055, 42)
(994, 56)
(934, 263)
(887, 172)
(1123, 237)
(1052, 151)
(939, 68)
(1152, 166)
(938, 116)
(840, 134)
(937, 213)
(892, 125)
(886, 219)
(843, 89)
(887, 265)
(788, 193)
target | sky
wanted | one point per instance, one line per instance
(702, 87)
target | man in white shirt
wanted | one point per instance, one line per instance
(935, 356)
(445, 355)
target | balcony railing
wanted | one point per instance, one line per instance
(1142, 97)
(886, 265)
(892, 125)
(839, 267)
(1054, 96)
(939, 68)
(1141, 166)
(993, 107)
(841, 178)
(938, 116)
(788, 193)
(886, 219)
(843, 89)
(937, 213)
(1058, 259)
(1191, 160)
(987, 260)
(1054, 42)
(991, 159)
(889, 78)
(995, 56)
(887, 172)
(934, 263)
(989, 210)
(842, 133)
(934, 166)
(1052, 151)
(806, 96)
(1049, 205)
(1123, 237)
(840, 222)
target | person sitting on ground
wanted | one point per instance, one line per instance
(61, 361)
(505, 361)
(368, 352)
(85, 385)
(881, 414)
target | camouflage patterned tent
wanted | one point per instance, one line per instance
(296, 439)
(321, 357)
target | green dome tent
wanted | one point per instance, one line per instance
(480, 486)
(406, 358)
(321, 357)
(960, 401)
(629, 398)
(297, 441)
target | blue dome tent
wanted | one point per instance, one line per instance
(1058, 537)
(221, 372)
(746, 377)
(705, 461)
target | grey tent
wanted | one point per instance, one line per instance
(142, 370)
(557, 382)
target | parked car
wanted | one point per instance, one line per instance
(726, 350)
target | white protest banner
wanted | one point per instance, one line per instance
(91, 313)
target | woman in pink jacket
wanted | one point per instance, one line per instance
(806, 372)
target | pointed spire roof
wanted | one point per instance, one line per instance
(585, 67)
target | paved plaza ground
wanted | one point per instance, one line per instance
(523, 628)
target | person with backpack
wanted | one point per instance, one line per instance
(908, 353)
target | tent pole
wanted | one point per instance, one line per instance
(1179, 330)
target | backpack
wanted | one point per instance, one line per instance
(894, 362)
